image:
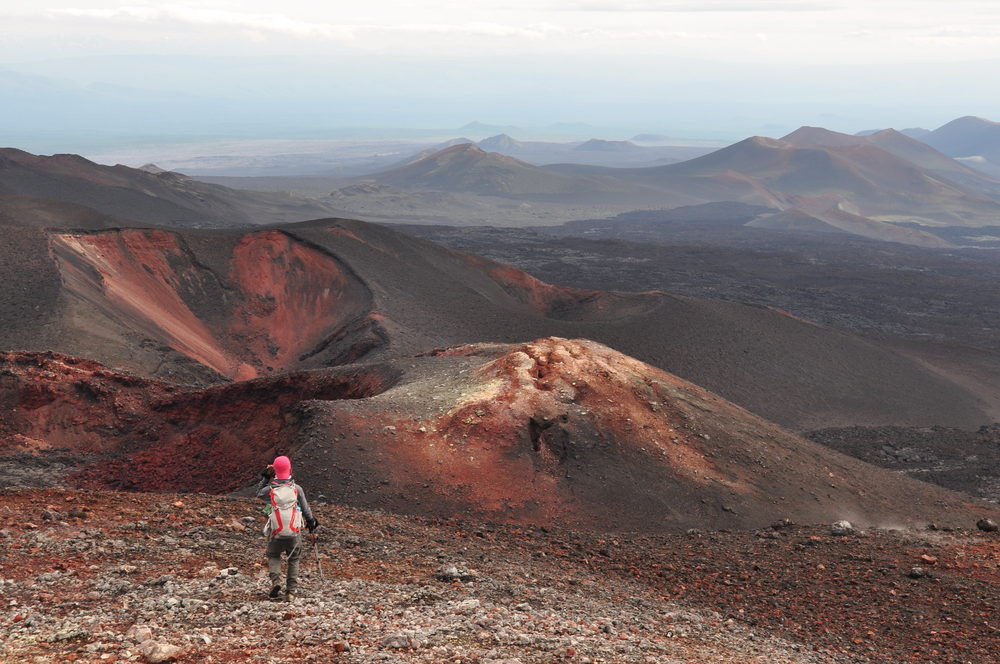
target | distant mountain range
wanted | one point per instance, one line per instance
(864, 185)
(975, 141)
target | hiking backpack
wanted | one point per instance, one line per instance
(285, 517)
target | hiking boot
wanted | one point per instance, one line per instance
(275, 591)
(289, 596)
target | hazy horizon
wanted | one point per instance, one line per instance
(87, 75)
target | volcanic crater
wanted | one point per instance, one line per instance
(278, 302)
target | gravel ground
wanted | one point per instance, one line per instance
(111, 577)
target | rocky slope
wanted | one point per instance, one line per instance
(108, 577)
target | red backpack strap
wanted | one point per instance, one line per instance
(276, 512)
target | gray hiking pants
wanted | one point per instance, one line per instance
(277, 546)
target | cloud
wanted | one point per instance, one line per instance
(279, 24)
(268, 23)
(727, 6)
(284, 25)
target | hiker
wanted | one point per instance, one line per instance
(287, 511)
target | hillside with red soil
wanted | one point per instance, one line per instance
(279, 302)
(121, 431)
(202, 306)
(553, 432)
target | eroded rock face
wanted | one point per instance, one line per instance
(119, 431)
(278, 303)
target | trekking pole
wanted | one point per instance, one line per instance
(319, 565)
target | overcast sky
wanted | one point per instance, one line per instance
(813, 31)
(922, 60)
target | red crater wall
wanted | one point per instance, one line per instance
(283, 301)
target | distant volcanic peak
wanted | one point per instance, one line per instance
(973, 120)
(468, 168)
(500, 142)
(281, 301)
(765, 142)
(818, 136)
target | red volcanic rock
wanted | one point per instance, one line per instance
(572, 432)
(53, 401)
(280, 302)
(144, 435)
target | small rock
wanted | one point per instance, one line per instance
(139, 633)
(400, 641)
(69, 633)
(987, 525)
(453, 572)
(918, 573)
(842, 528)
(158, 651)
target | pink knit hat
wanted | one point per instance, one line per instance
(282, 468)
